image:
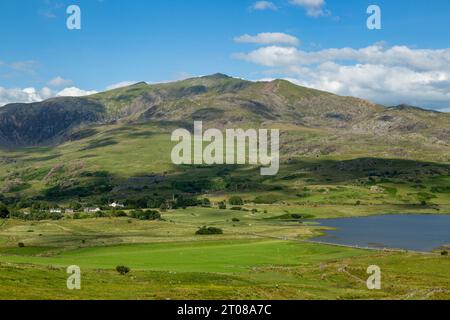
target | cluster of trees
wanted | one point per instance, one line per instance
(236, 201)
(39, 210)
(138, 214)
(164, 204)
(36, 215)
(145, 215)
(209, 231)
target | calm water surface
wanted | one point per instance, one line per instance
(409, 232)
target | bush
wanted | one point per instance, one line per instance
(155, 203)
(235, 220)
(123, 270)
(267, 199)
(163, 207)
(21, 245)
(4, 212)
(100, 214)
(444, 253)
(222, 205)
(206, 203)
(146, 215)
(209, 231)
(236, 201)
(236, 208)
(119, 214)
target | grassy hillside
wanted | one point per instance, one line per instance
(123, 161)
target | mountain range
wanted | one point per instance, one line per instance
(220, 101)
(116, 144)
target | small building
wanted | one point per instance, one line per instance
(116, 205)
(55, 211)
(69, 211)
(92, 210)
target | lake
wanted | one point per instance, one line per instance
(409, 232)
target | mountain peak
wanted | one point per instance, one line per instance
(217, 76)
(407, 107)
(139, 84)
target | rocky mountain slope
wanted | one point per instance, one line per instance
(220, 101)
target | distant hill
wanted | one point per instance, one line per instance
(219, 100)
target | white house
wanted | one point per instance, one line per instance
(55, 211)
(116, 205)
(92, 210)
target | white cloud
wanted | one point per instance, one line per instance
(314, 8)
(30, 95)
(60, 82)
(272, 56)
(388, 75)
(74, 92)
(417, 59)
(27, 95)
(121, 85)
(264, 5)
(269, 38)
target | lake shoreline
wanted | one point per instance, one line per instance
(399, 232)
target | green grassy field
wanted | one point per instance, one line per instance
(168, 261)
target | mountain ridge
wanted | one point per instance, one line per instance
(218, 99)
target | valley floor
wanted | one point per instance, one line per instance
(257, 257)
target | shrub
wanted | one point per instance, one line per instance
(155, 203)
(136, 213)
(123, 270)
(146, 215)
(268, 199)
(444, 253)
(206, 203)
(163, 207)
(235, 220)
(209, 231)
(236, 201)
(119, 214)
(4, 212)
(100, 214)
(236, 208)
(21, 245)
(222, 205)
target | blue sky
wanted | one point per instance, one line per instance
(158, 40)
